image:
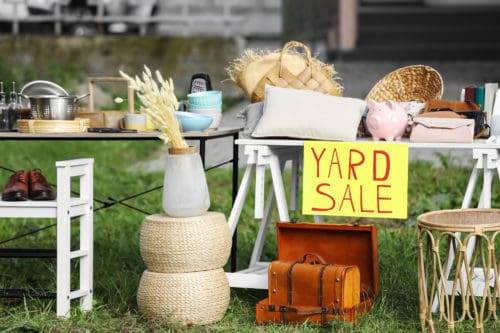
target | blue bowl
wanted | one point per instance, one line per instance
(193, 121)
(205, 99)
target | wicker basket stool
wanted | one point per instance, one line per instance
(195, 298)
(458, 266)
(190, 244)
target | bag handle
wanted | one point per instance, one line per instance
(317, 259)
(290, 45)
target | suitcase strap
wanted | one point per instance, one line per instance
(306, 310)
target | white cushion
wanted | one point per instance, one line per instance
(308, 114)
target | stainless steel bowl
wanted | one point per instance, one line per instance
(54, 107)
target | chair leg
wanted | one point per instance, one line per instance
(63, 266)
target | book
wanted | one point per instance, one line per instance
(490, 90)
(469, 93)
(479, 97)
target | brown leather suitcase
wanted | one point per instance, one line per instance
(342, 245)
(310, 289)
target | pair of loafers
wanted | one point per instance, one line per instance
(23, 185)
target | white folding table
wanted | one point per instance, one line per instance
(273, 154)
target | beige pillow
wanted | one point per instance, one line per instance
(308, 114)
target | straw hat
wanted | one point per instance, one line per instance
(286, 68)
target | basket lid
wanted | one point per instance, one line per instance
(337, 243)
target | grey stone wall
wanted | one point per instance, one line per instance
(104, 56)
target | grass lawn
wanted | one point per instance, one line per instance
(118, 265)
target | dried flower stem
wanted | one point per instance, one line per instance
(160, 104)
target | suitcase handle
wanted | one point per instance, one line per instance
(317, 259)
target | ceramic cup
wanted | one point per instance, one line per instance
(134, 121)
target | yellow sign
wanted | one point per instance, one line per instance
(355, 179)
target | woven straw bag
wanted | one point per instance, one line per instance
(195, 298)
(188, 244)
(286, 69)
(418, 83)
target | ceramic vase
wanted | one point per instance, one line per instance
(185, 190)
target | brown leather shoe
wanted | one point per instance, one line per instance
(39, 188)
(17, 187)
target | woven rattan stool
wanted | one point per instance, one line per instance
(194, 298)
(184, 281)
(458, 265)
(187, 244)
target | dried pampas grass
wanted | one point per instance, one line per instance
(160, 104)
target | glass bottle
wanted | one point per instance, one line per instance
(14, 108)
(4, 111)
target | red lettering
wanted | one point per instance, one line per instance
(335, 161)
(318, 190)
(380, 198)
(387, 164)
(353, 164)
(347, 197)
(361, 201)
(317, 159)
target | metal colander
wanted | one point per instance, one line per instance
(53, 107)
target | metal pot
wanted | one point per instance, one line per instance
(53, 107)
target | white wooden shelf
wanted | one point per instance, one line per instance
(64, 209)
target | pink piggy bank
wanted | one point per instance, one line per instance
(386, 120)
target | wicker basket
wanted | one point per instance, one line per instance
(190, 244)
(418, 83)
(412, 83)
(195, 298)
(53, 126)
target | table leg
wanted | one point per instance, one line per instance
(264, 224)
(234, 243)
(240, 199)
(202, 151)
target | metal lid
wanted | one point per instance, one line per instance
(41, 87)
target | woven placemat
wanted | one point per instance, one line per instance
(53, 126)
(170, 244)
(195, 298)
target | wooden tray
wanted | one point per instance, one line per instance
(53, 126)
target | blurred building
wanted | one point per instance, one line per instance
(154, 17)
(397, 29)
(351, 29)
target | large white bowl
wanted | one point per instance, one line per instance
(216, 116)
